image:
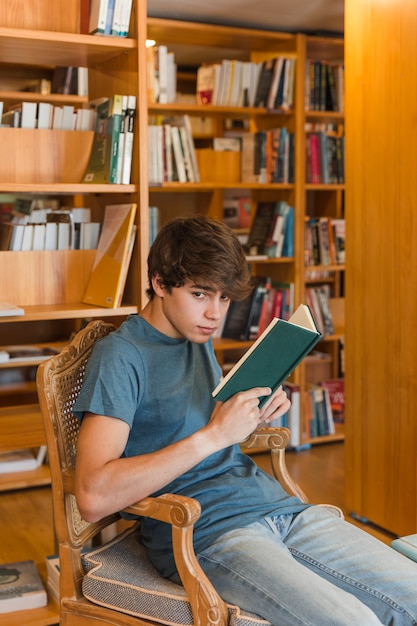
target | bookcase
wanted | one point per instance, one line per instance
(49, 285)
(195, 44)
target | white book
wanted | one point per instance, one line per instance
(28, 119)
(120, 151)
(45, 114)
(57, 118)
(171, 77)
(82, 81)
(126, 11)
(163, 73)
(98, 15)
(51, 236)
(8, 310)
(21, 460)
(67, 122)
(64, 236)
(129, 134)
(38, 242)
(17, 237)
(27, 237)
(89, 235)
(23, 589)
(116, 28)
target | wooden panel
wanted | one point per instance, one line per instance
(60, 15)
(381, 268)
(44, 156)
(45, 277)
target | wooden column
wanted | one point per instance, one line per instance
(381, 268)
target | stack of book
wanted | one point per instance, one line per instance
(267, 156)
(50, 229)
(324, 241)
(172, 155)
(238, 83)
(325, 158)
(318, 300)
(161, 75)
(248, 318)
(44, 115)
(272, 231)
(112, 150)
(324, 86)
(106, 17)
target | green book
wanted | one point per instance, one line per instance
(406, 545)
(273, 356)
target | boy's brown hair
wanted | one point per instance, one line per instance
(199, 249)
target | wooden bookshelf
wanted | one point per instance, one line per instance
(50, 285)
(193, 44)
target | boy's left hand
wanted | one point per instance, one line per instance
(276, 405)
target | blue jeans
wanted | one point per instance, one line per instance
(313, 569)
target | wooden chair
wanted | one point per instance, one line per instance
(145, 598)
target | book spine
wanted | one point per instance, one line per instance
(116, 122)
(98, 16)
(129, 134)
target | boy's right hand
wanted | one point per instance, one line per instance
(234, 420)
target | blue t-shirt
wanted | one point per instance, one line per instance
(161, 387)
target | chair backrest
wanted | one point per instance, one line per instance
(59, 380)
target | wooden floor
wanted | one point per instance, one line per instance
(26, 522)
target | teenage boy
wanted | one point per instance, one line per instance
(150, 425)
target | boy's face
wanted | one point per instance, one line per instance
(192, 312)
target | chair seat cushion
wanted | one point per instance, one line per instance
(120, 576)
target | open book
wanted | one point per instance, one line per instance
(273, 356)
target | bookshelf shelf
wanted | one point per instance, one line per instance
(211, 186)
(43, 48)
(66, 188)
(199, 110)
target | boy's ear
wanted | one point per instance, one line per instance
(158, 285)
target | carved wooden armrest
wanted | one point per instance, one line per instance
(181, 513)
(268, 438)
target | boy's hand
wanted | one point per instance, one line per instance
(276, 405)
(238, 417)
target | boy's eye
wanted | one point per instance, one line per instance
(225, 298)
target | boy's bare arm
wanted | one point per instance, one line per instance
(106, 483)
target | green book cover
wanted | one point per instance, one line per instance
(273, 356)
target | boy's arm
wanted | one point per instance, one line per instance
(106, 483)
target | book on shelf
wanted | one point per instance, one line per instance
(105, 282)
(292, 419)
(273, 356)
(129, 131)
(98, 16)
(21, 460)
(242, 319)
(21, 587)
(103, 163)
(28, 353)
(7, 309)
(336, 390)
(53, 573)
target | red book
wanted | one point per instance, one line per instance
(336, 389)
